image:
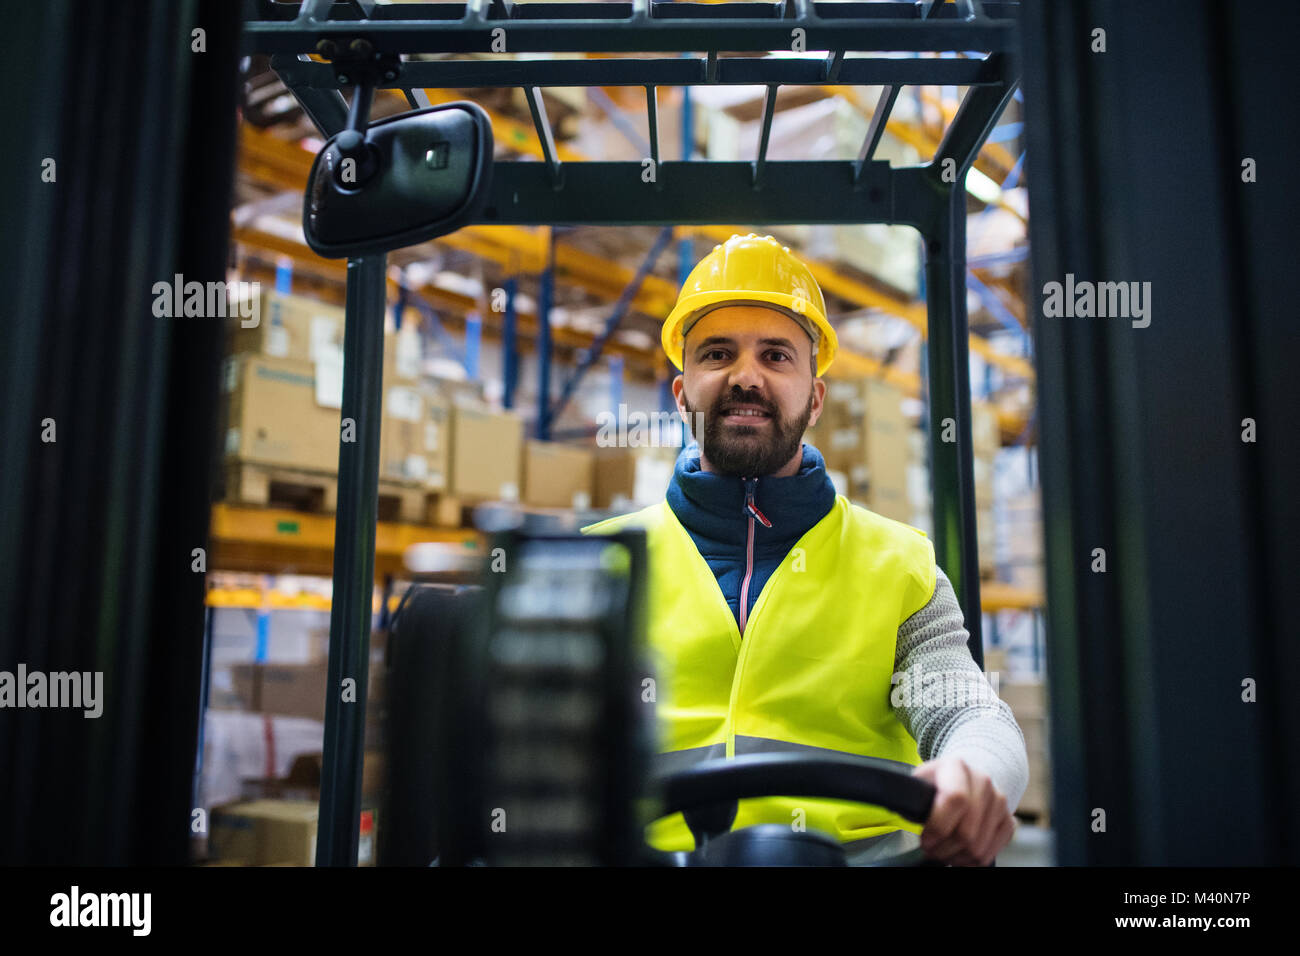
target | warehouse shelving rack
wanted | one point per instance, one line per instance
(681, 45)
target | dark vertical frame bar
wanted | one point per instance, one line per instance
(510, 345)
(354, 564)
(544, 341)
(1141, 445)
(952, 463)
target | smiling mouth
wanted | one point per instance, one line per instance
(745, 416)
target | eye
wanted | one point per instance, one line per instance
(778, 356)
(713, 355)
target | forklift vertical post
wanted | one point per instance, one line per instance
(354, 563)
(951, 456)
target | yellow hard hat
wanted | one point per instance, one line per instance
(751, 270)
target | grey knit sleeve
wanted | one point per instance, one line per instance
(944, 700)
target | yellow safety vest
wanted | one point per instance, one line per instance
(813, 672)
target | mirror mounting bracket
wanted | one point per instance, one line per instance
(358, 64)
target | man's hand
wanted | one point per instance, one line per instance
(969, 822)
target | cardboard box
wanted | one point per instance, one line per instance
(291, 327)
(863, 434)
(294, 690)
(487, 450)
(986, 436)
(273, 418)
(985, 534)
(886, 451)
(287, 690)
(983, 466)
(415, 439)
(613, 478)
(277, 833)
(557, 476)
(298, 690)
(628, 478)
(403, 356)
(265, 832)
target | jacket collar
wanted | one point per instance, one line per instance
(712, 506)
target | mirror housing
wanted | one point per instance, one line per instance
(414, 177)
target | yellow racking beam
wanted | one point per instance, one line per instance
(286, 165)
(246, 538)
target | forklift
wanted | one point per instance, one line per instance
(1157, 149)
(405, 179)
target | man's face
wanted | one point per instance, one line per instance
(747, 371)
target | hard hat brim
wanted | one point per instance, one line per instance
(690, 308)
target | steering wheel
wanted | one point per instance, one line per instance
(706, 794)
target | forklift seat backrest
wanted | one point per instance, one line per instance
(425, 630)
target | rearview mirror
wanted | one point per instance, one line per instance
(414, 177)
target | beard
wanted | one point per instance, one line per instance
(747, 451)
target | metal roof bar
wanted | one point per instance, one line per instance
(670, 71)
(708, 193)
(615, 27)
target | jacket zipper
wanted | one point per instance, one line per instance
(750, 509)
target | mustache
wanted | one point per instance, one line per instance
(739, 397)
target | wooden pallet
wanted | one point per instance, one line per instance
(416, 504)
(251, 483)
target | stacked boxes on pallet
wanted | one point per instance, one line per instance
(558, 476)
(985, 439)
(267, 699)
(863, 435)
(1020, 549)
(283, 396)
(624, 479)
(414, 442)
(1028, 702)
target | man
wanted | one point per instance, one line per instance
(782, 616)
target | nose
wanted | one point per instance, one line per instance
(746, 371)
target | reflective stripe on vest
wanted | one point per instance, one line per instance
(812, 671)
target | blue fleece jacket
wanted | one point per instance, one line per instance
(713, 511)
